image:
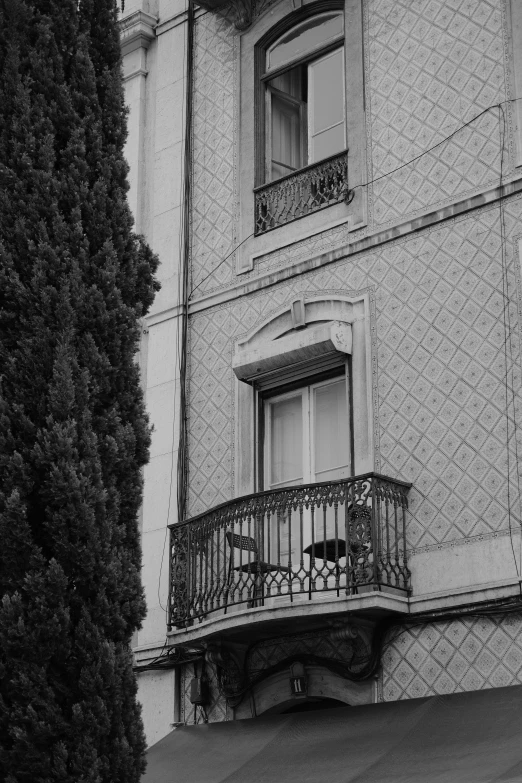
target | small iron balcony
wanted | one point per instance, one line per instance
(289, 545)
(300, 193)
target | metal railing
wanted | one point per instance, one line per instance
(298, 194)
(342, 536)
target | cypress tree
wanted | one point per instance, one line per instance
(74, 282)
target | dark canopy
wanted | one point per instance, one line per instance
(463, 738)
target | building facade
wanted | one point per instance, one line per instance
(334, 192)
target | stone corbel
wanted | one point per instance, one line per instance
(137, 31)
(241, 9)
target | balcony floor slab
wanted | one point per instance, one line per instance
(253, 624)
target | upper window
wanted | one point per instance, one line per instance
(304, 82)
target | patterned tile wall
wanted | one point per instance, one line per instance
(314, 246)
(441, 354)
(213, 199)
(467, 654)
(432, 66)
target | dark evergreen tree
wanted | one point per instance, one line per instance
(74, 282)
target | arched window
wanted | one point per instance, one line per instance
(304, 95)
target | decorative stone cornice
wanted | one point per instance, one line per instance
(137, 31)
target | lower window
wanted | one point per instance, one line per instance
(307, 434)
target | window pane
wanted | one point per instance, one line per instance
(286, 137)
(331, 433)
(286, 440)
(326, 84)
(304, 38)
(287, 121)
(327, 143)
(290, 82)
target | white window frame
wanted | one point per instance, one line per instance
(306, 392)
(251, 144)
(311, 98)
(267, 346)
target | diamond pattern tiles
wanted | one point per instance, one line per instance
(213, 151)
(433, 65)
(461, 655)
(313, 246)
(441, 367)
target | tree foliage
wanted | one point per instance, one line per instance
(74, 282)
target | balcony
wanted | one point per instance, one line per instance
(292, 548)
(299, 194)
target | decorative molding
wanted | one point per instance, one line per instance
(132, 75)
(137, 31)
(251, 282)
(464, 541)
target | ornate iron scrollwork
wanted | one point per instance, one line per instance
(333, 536)
(179, 575)
(296, 195)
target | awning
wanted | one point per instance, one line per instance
(463, 738)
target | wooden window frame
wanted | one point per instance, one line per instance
(261, 109)
(251, 139)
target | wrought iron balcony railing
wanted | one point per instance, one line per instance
(342, 537)
(301, 193)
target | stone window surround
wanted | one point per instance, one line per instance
(252, 45)
(329, 311)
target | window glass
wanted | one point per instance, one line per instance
(286, 441)
(308, 435)
(326, 89)
(331, 434)
(288, 119)
(310, 35)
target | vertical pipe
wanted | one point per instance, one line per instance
(405, 562)
(177, 694)
(170, 587)
(375, 497)
(301, 547)
(289, 578)
(347, 541)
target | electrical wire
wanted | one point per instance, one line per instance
(186, 295)
(376, 179)
(507, 335)
(182, 297)
(221, 262)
